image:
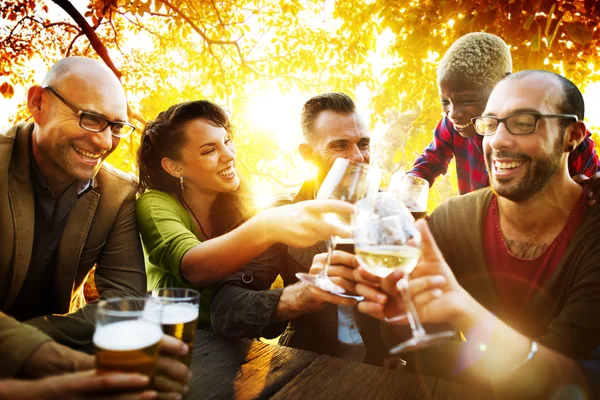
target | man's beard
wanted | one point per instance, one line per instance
(538, 174)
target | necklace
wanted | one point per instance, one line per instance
(193, 214)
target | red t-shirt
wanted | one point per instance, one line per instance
(515, 279)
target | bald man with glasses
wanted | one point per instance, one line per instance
(64, 211)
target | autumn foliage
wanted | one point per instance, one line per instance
(227, 50)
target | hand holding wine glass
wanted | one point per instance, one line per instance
(386, 240)
(347, 181)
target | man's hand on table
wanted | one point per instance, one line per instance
(80, 385)
(301, 298)
(170, 380)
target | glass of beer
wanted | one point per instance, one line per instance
(414, 192)
(180, 308)
(127, 336)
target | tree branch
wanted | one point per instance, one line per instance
(96, 43)
(73, 42)
(10, 34)
(135, 116)
(199, 31)
(217, 11)
(140, 26)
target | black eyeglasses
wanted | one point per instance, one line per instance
(518, 124)
(96, 123)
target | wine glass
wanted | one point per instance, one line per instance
(413, 191)
(386, 239)
(347, 181)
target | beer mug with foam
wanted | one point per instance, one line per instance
(128, 334)
(180, 308)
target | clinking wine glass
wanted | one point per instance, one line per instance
(347, 181)
(413, 191)
(386, 239)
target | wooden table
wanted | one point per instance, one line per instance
(250, 369)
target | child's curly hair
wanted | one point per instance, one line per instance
(478, 57)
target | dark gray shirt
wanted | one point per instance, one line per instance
(36, 297)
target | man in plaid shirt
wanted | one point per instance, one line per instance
(466, 76)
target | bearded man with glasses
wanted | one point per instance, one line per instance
(515, 267)
(62, 212)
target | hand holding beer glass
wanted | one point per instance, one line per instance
(179, 317)
(127, 336)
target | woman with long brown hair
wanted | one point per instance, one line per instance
(195, 215)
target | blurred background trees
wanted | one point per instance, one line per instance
(263, 58)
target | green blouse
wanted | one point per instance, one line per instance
(168, 232)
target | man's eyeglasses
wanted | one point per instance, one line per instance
(519, 124)
(96, 123)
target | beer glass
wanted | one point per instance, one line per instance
(180, 308)
(127, 336)
(413, 191)
(348, 181)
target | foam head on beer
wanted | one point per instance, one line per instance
(128, 346)
(179, 313)
(127, 335)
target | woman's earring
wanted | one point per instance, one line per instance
(570, 148)
(181, 182)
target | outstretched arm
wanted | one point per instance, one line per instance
(434, 160)
(245, 306)
(173, 247)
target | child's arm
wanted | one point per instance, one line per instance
(434, 160)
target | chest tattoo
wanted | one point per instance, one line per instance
(526, 251)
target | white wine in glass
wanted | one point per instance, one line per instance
(386, 239)
(382, 260)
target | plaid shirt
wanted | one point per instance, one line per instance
(470, 162)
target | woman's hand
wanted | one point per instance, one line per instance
(302, 224)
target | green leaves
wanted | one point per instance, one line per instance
(579, 33)
(230, 50)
